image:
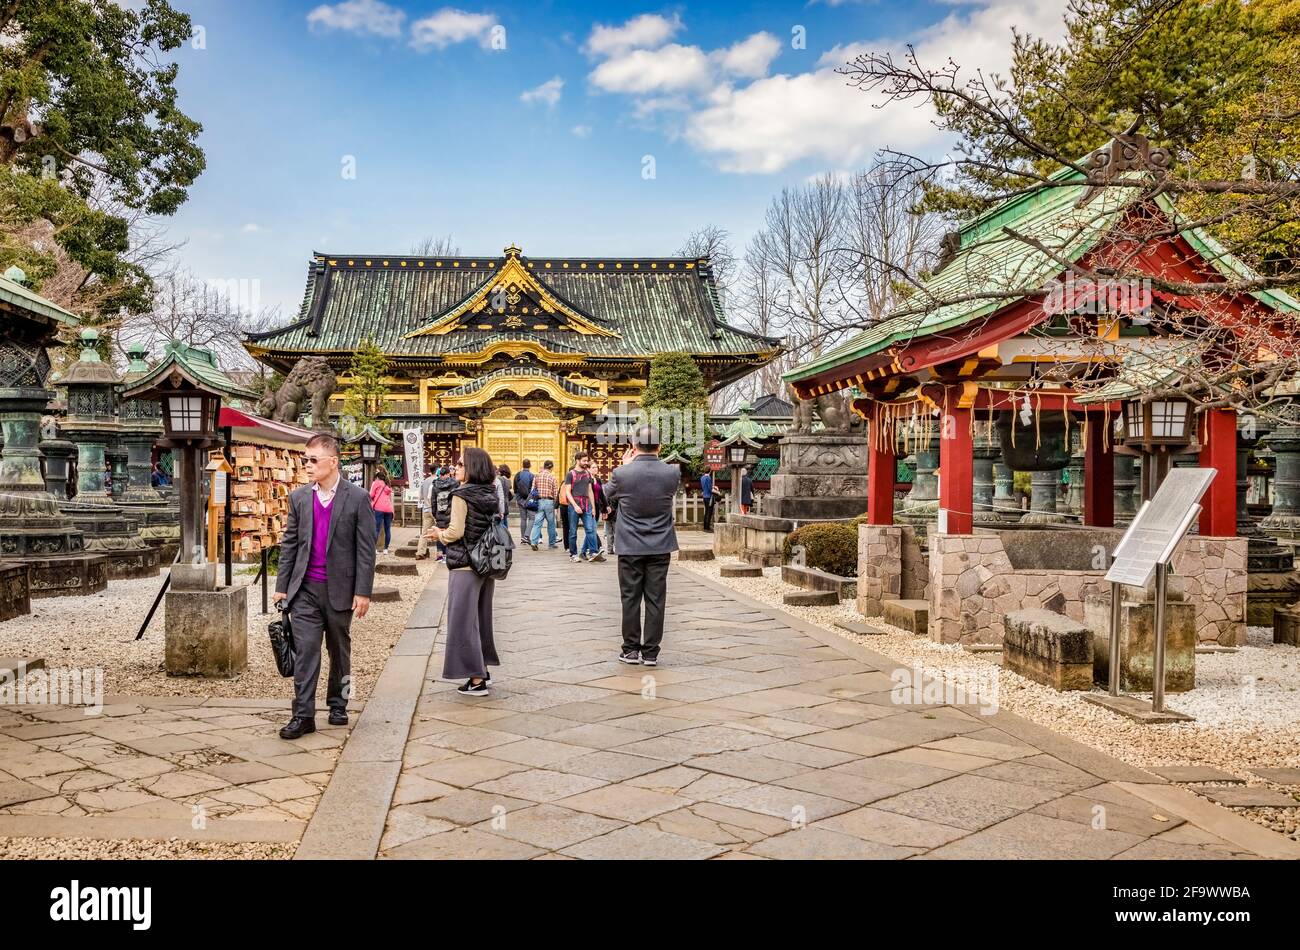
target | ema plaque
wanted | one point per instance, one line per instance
(1159, 526)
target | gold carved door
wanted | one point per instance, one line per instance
(510, 436)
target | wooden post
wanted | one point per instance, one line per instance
(957, 468)
(882, 472)
(1098, 474)
(1219, 452)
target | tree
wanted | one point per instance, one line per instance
(676, 402)
(1197, 76)
(89, 126)
(367, 391)
(714, 243)
(430, 246)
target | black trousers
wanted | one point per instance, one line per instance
(708, 514)
(313, 620)
(643, 577)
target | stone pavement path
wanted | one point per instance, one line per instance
(756, 737)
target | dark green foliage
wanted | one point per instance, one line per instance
(827, 546)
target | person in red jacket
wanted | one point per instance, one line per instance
(381, 502)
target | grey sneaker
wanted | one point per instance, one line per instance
(649, 661)
(631, 658)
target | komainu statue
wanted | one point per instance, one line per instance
(832, 408)
(311, 378)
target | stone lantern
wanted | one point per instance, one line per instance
(140, 427)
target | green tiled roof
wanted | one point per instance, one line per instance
(991, 261)
(198, 364)
(990, 264)
(14, 293)
(474, 385)
(651, 305)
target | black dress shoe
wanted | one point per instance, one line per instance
(338, 717)
(298, 727)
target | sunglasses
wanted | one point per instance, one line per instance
(315, 459)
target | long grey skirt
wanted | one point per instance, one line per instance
(470, 649)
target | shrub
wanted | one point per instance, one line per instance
(830, 547)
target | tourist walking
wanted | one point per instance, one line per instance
(582, 509)
(381, 502)
(545, 491)
(504, 493)
(425, 504)
(470, 648)
(523, 489)
(706, 494)
(643, 488)
(327, 569)
(746, 491)
(443, 485)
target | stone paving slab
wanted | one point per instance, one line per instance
(758, 736)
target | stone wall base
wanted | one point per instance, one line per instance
(70, 576)
(207, 632)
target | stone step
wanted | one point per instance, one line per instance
(1250, 797)
(811, 598)
(910, 615)
(400, 568)
(385, 595)
(404, 552)
(862, 629)
(1195, 773)
(982, 647)
(695, 554)
(741, 570)
(1282, 776)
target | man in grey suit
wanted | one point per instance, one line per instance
(645, 540)
(327, 569)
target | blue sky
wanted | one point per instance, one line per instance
(500, 123)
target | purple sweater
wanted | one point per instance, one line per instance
(320, 533)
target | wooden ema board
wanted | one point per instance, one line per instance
(263, 479)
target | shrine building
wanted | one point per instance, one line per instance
(527, 357)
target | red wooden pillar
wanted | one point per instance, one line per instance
(882, 471)
(1098, 474)
(957, 469)
(1219, 452)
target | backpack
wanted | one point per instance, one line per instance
(493, 553)
(523, 484)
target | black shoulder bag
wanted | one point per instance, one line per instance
(282, 641)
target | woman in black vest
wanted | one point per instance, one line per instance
(470, 648)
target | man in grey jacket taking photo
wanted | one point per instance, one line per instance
(645, 539)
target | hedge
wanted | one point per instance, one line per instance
(827, 546)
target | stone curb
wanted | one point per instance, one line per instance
(110, 828)
(1198, 811)
(349, 821)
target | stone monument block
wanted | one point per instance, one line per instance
(822, 477)
(1048, 648)
(1137, 642)
(207, 632)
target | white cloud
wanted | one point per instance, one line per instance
(359, 16)
(253, 228)
(448, 26)
(774, 122)
(671, 68)
(749, 58)
(581, 131)
(548, 92)
(647, 31)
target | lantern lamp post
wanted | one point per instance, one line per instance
(1155, 429)
(370, 442)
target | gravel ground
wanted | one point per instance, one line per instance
(99, 631)
(46, 849)
(1246, 704)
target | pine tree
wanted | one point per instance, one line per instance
(364, 399)
(676, 402)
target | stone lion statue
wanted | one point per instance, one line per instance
(311, 378)
(832, 408)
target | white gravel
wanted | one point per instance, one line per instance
(99, 631)
(1246, 704)
(64, 849)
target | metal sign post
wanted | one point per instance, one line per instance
(1146, 549)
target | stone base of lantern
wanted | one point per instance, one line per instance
(15, 590)
(206, 629)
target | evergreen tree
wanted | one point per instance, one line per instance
(676, 402)
(364, 399)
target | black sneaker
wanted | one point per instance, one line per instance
(533, 545)
(649, 660)
(338, 717)
(598, 556)
(630, 657)
(470, 689)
